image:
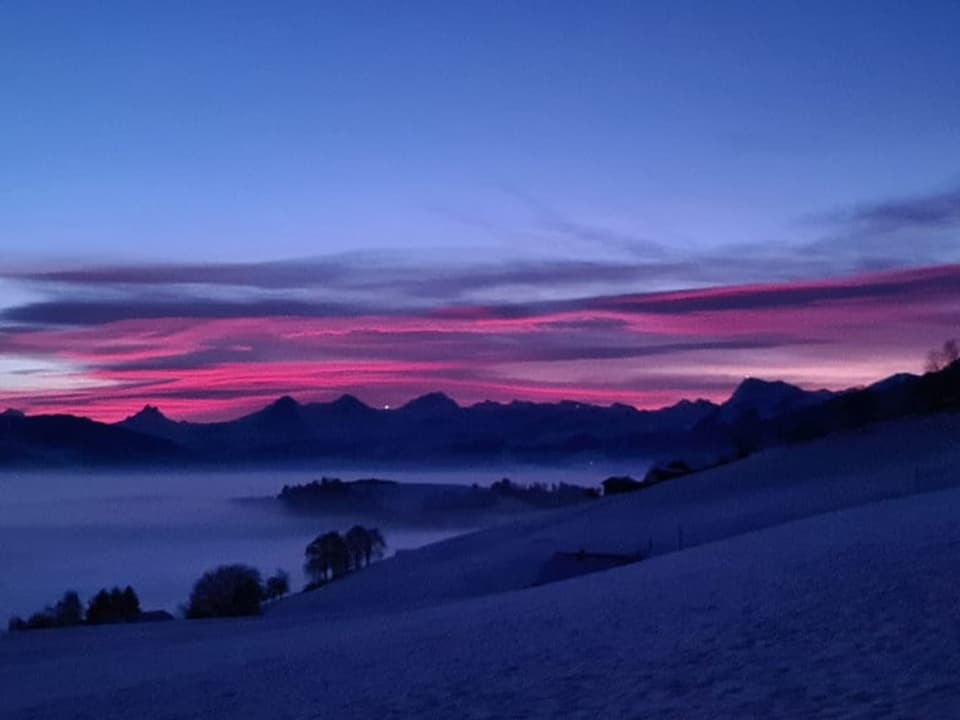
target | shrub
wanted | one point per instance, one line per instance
(227, 591)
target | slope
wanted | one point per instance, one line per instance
(843, 615)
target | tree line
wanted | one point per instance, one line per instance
(238, 590)
(226, 591)
(332, 555)
(107, 606)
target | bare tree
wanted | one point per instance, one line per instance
(943, 357)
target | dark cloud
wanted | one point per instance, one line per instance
(265, 275)
(944, 280)
(872, 240)
(868, 238)
(428, 347)
(375, 278)
(187, 360)
(937, 281)
(936, 210)
(889, 234)
(18, 329)
(81, 312)
(548, 275)
(575, 351)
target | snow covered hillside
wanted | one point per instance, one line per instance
(774, 486)
(781, 604)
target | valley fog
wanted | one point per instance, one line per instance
(159, 531)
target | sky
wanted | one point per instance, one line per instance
(204, 206)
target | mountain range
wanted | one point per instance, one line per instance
(434, 430)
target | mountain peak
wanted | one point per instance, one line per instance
(752, 391)
(754, 384)
(432, 403)
(347, 402)
(282, 412)
(149, 412)
(768, 398)
(283, 407)
(149, 420)
(284, 403)
(13, 413)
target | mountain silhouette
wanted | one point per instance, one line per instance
(765, 399)
(433, 429)
(68, 440)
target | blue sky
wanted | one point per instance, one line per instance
(254, 131)
(181, 158)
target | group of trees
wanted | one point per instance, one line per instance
(333, 555)
(332, 495)
(114, 606)
(542, 494)
(326, 487)
(238, 590)
(226, 591)
(107, 606)
(234, 591)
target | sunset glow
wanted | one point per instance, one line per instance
(645, 350)
(205, 207)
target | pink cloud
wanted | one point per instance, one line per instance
(644, 349)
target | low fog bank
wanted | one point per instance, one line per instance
(159, 531)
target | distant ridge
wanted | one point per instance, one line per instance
(765, 399)
(433, 429)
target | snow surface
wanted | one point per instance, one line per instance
(786, 607)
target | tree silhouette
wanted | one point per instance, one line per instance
(331, 555)
(227, 591)
(327, 557)
(357, 539)
(375, 545)
(943, 357)
(69, 611)
(107, 606)
(277, 585)
(363, 545)
(131, 604)
(113, 606)
(101, 609)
